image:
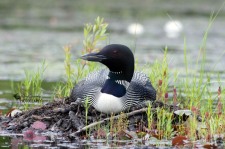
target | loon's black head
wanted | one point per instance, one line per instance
(118, 58)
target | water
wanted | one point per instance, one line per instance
(33, 31)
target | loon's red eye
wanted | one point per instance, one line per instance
(115, 52)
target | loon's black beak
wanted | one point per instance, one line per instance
(96, 57)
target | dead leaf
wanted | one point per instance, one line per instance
(130, 134)
(178, 141)
(209, 146)
(100, 133)
(9, 112)
(157, 134)
(195, 110)
(12, 112)
(122, 135)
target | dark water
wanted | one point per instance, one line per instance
(33, 31)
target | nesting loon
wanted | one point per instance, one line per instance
(116, 89)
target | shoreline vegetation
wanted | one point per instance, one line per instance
(186, 112)
(50, 15)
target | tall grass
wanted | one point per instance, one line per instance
(30, 90)
(93, 34)
(159, 75)
(198, 91)
(196, 94)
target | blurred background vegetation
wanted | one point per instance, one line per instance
(70, 15)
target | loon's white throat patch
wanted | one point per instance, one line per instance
(107, 103)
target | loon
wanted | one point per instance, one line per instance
(117, 88)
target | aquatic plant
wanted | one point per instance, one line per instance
(63, 89)
(93, 34)
(69, 70)
(29, 90)
(86, 106)
(193, 92)
(164, 123)
(149, 116)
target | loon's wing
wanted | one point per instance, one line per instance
(140, 89)
(88, 87)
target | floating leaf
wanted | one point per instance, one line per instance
(39, 125)
(29, 135)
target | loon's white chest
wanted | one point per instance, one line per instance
(108, 104)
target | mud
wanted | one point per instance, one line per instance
(70, 120)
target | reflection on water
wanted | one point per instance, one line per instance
(16, 141)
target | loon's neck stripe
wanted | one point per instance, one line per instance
(123, 82)
(117, 75)
(113, 88)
